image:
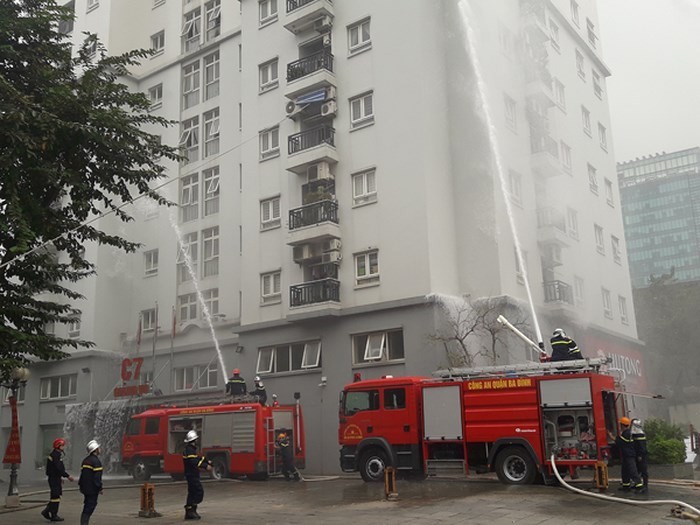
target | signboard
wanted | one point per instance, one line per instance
(625, 356)
(13, 454)
(132, 390)
(131, 371)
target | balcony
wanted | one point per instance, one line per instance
(313, 222)
(303, 15)
(534, 19)
(310, 73)
(314, 292)
(310, 147)
(538, 86)
(545, 155)
(551, 227)
(558, 292)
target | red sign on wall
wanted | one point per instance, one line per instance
(13, 453)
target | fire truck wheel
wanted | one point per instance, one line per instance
(372, 465)
(140, 470)
(218, 468)
(515, 466)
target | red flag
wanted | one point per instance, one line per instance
(173, 331)
(138, 332)
(13, 454)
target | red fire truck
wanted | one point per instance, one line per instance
(507, 419)
(238, 438)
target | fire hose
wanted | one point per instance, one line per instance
(620, 500)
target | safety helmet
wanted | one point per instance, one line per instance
(625, 421)
(236, 371)
(257, 378)
(191, 436)
(58, 442)
(274, 396)
(559, 331)
(92, 446)
(281, 435)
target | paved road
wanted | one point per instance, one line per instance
(351, 501)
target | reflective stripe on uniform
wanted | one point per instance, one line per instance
(200, 462)
(55, 500)
(92, 468)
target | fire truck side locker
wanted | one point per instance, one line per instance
(443, 441)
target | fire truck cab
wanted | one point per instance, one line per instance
(504, 419)
(239, 439)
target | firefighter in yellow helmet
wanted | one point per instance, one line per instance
(287, 452)
(628, 456)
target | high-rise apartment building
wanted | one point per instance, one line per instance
(339, 189)
(660, 197)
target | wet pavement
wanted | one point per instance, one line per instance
(350, 500)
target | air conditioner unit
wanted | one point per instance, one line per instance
(327, 40)
(330, 93)
(332, 245)
(331, 257)
(319, 171)
(329, 108)
(292, 110)
(302, 252)
(323, 24)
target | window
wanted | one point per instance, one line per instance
(367, 268)
(92, 4)
(148, 320)
(597, 85)
(187, 253)
(394, 398)
(578, 290)
(211, 132)
(615, 243)
(185, 378)
(134, 427)
(74, 328)
(151, 262)
(572, 223)
(560, 94)
(270, 213)
(92, 49)
(289, 357)
(586, 120)
(152, 425)
(511, 113)
(158, 42)
(515, 186)
(191, 30)
(267, 11)
(609, 196)
(270, 287)
(603, 136)
(599, 239)
(211, 191)
(580, 65)
(189, 198)
(362, 110)
(189, 139)
(58, 387)
(211, 76)
(359, 36)
(593, 179)
(268, 75)
(359, 401)
(566, 157)
(20, 394)
(269, 143)
(574, 12)
(155, 95)
(213, 19)
(364, 187)
(190, 85)
(590, 30)
(65, 27)
(187, 305)
(208, 376)
(210, 252)
(377, 347)
(622, 306)
(554, 34)
(211, 301)
(607, 303)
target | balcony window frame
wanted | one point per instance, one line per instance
(609, 192)
(268, 219)
(210, 252)
(188, 247)
(189, 198)
(187, 307)
(586, 120)
(271, 287)
(510, 108)
(191, 33)
(212, 75)
(150, 261)
(572, 223)
(593, 179)
(300, 356)
(211, 191)
(575, 12)
(63, 391)
(566, 159)
(358, 106)
(358, 39)
(603, 137)
(607, 303)
(266, 13)
(616, 249)
(212, 129)
(366, 351)
(580, 65)
(212, 17)
(155, 95)
(189, 139)
(269, 143)
(191, 84)
(268, 75)
(148, 320)
(361, 192)
(622, 308)
(366, 266)
(210, 297)
(74, 327)
(158, 43)
(599, 236)
(597, 84)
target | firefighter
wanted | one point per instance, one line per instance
(563, 347)
(287, 452)
(90, 481)
(640, 447)
(628, 455)
(193, 463)
(275, 403)
(260, 391)
(236, 384)
(55, 471)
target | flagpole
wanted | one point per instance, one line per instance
(138, 334)
(172, 344)
(155, 337)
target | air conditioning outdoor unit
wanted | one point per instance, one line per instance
(292, 110)
(327, 40)
(319, 171)
(329, 108)
(302, 252)
(330, 93)
(332, 245)
(331, 257)
(323, 24)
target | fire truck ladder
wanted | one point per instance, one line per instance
(525, 369)
(270, 446)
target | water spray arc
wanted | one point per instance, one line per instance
(466, 15)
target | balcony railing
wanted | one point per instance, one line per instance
(307, 65)
(314, 213)
(314, 292)
(544, 144)
(557, 292)
(296, 4)
(310, 138)
(551, 217)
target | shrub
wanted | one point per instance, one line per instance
(664, 442)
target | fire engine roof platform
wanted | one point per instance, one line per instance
(595, 364)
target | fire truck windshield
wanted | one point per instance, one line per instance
(355, 401)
